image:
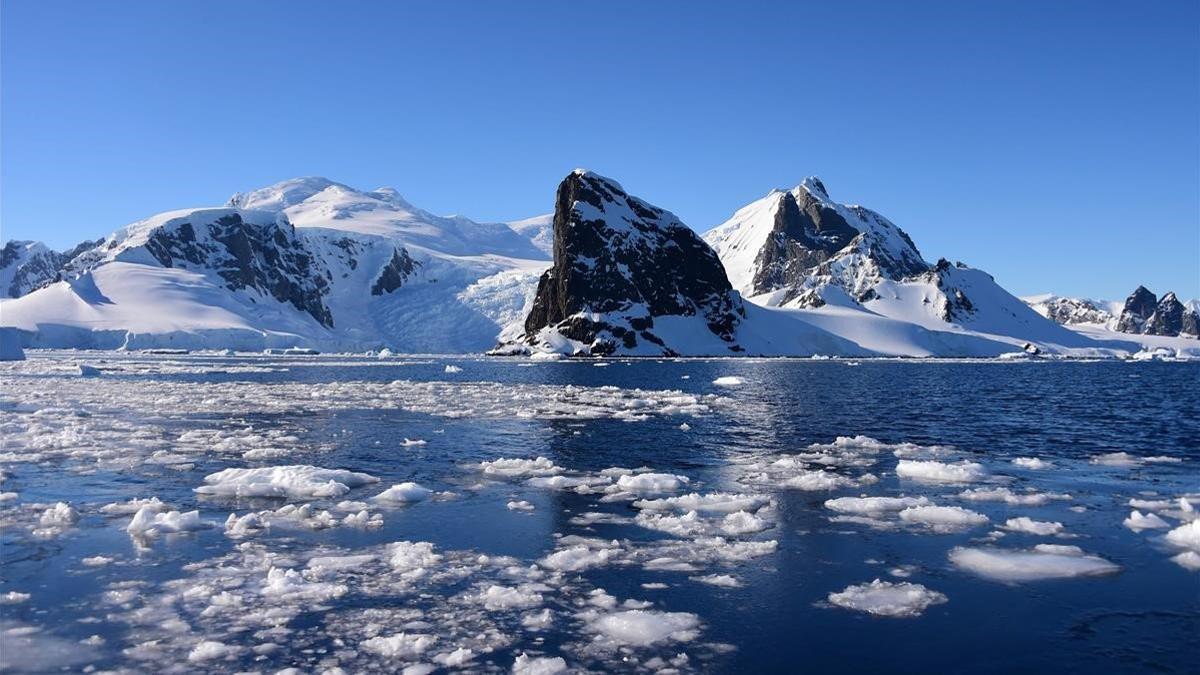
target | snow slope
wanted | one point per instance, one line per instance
(310, 263)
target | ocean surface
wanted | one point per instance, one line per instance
(684, 515)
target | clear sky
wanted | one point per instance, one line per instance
(1053, 144)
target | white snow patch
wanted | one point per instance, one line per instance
(297, 481)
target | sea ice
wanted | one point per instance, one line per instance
(940, 472)
(148, 522)
(1033, 463)
(511, 468)
(885, 598)
(297, 481)
(641, 628)
(714, 502)
(1189, 560)
(1045, 561)
(403, 493)
(400, 645)
(943, 517)
(1144, 521)
(874, 505)
(1186, 536)
(1030, 526)
(538, 665)
(728, 381)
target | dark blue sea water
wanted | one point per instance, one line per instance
(91, 442)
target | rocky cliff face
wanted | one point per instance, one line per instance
(1070, 311)
(620, 267)
(1146, 314)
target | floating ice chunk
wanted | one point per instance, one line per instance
(1189, 560)
(296, 481)
(1144, 521)
(943, 517)
(538, 665)
(8, 496)
(450, 368)
(209, 650)
(403, 493)
(519, 506)
(728, 381)
(413, 559)
(714, 502)
(96, 561)
(1186, 536)
(1030, 526)
(578, 558)
(237, 527)
(565, 482)
(400, 645)
(291, 585)
(1045, 561)
(148, 522)
(721, 580)
(1116, 459)
(874, 505)
(885, 598)
(1003, 494)
(1033, 463)
(510, 468)
(88, 371)
(819, 480)
(134, 505)
(455, 659)
(339, 562)
(652, 483)
(743, 522)
(504, 597)
(639, 627)
(61, 516)
(410, 442)
(940, 472)
(13, 598)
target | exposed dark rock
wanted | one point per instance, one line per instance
(395, 273)
(619, 262)
(1138, 307)
(1167, 318)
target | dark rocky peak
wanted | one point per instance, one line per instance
(1170, 317)
(620, 262)
(1138, 307)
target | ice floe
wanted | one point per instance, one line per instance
(639, 627)
(940, 472)
(1144, 521)
(403, 493)
(943, 518)
(1028, 525)
(885, 598)
(1186, 536)
(1044, 561)
(297, 481)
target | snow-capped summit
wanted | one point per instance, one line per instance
(628, 277)
(320, 202)
(789, 247)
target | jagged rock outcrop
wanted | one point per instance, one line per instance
(1147, 314)
(1138, 307)
(620, 267)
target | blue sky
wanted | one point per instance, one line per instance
(1055, 145)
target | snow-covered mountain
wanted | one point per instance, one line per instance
(799, 249)
(305, 262)
(1142, 313)
(314, 263)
